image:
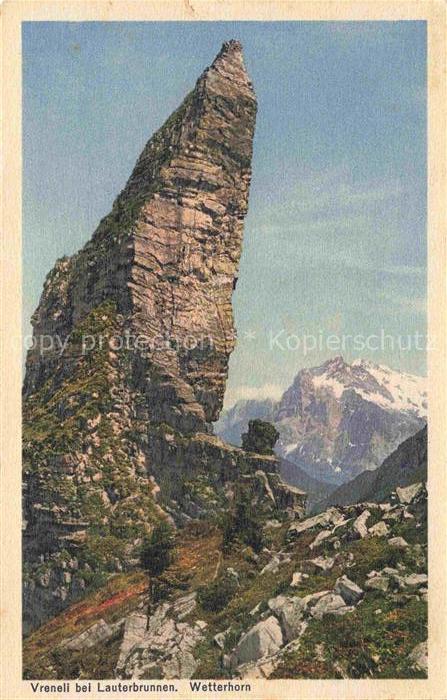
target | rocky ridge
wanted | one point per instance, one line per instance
(403, 466)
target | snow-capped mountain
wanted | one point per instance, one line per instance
(340, 419)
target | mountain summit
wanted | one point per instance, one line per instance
(338, 420)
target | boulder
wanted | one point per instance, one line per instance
(380, 529)
(220, 638)
(264, 639)
(348, 590)
(330, 604)
(184, 605)
(290, 610)
(323, 535)
(378, 583)
(311, 599)
(419, 657)
(398, 542)
(359, 524)
(99, 632)
(319, 565)
(275, 562)
(330, 517)
(408, 494)
(298, 578)
(415, 580)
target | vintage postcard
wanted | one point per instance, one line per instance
(223, 369)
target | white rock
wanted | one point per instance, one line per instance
(319, 565)
(389, 571)
(311, 599)
(330, 604)
(263, 639)
(275, 604)
(255, 610)
(272, 566)
(323, 535)
(349, 591)
(291, 611)
(398, 542)
(378, 583)
(380, 529)
(417, 580)
(341, 523)
(359, 524)
(385, 507)
(409, 493)
(409, 516)
(98, 632)
(330, 517)
(184, 605)
(419, 657)
(275, 562)
(298, 578)
(220, 638)
(394, 515)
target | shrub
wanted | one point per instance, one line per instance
(261, 437)
(157, 549)
(242, 524)
(216, 595)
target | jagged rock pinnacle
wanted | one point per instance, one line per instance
(142, 328)
(168, 252)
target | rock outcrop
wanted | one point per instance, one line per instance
(131, 343)
(168, 252)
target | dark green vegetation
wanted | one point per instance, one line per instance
(260, 438)
(157, 549)
(242, 523)
(215, 596)
(157, 553)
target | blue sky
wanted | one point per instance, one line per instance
(335, 238)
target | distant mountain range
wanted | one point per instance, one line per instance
(336, 421)
(405, 466)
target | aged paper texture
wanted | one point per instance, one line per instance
(223, 350)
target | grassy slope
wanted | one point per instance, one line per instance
(363, 644)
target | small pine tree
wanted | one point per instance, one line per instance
(157, 553)
(261, 437)
(242, 524)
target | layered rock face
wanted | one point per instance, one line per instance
(118, 406)
(168, 252)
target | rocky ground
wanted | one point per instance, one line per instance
(342, 594)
